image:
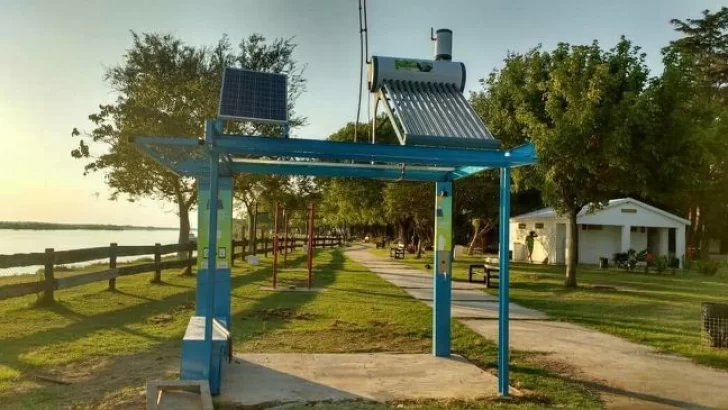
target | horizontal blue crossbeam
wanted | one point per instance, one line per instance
(323, 169)
(411, 155)
(519, 156)
(456, 163)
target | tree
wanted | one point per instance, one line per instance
(354, 201)
(700, 57)
(165, 87)
(576, 104)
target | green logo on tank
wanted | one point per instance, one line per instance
(410, 65)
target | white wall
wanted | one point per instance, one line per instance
(595, 244)
(544, 246)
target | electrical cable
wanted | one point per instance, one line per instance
(361, 72)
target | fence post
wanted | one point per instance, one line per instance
(49, 279)
(157, 262)
(112, 264)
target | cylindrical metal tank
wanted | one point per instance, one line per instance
(443, 44)
(382, 69)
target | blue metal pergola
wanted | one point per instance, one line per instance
(221, 156)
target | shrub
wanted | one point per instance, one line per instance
(707, 267)
(661, 264)
(620, 258)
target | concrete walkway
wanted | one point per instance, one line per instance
(626, 374)
(265, 380)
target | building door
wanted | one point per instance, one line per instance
(560, 244)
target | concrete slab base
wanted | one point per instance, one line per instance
(268, 379)
(179, 395)
(284, 288)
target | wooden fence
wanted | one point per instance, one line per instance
(51, 258)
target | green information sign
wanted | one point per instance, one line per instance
(224, 223)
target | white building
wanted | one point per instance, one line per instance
(622, 225)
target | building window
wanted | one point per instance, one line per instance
(521, 226)
(591, 227)
(629, 211)
(640, 229)
(539, 225)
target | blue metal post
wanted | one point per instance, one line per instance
(442, 270)
(503, 257)
(212, 246)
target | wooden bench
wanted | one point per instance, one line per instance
(396, 252)
(489, 272)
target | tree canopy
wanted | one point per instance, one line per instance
(165, 87)
(576, 104)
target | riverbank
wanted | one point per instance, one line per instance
(17, 225)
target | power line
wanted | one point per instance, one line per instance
(363, 52)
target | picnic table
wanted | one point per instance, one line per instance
(489, 269)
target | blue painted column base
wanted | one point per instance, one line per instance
(442, 270)
(503, 279)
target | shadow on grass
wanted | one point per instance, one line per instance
(265, 314)
(603, 388)
(14, 349)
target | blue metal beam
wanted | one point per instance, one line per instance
(464, 172)
(382, 153)
(156, 158)
(319, 169)
(469, 161)
(519, 156)
(527, 152)
(338, 170)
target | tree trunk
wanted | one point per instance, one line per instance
(473, 240)
(184, 228)
(402, 226)
(693, 226)
(571, 245)
(183, 211)
(704, 242)
(251, 230)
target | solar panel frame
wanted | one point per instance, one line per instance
(254, 96)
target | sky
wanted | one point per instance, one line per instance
(53, 55)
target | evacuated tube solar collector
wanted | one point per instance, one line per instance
(424, 99)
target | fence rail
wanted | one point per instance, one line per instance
(50, 258)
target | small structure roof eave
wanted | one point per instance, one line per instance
(549, 213)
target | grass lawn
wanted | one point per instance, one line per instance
(95, 348)
(663, 310)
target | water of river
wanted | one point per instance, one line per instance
(28, 241)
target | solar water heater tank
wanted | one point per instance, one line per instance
(424, 99)
(393, 69)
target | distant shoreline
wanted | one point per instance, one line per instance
(45, 226)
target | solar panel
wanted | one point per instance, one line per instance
(254, 95)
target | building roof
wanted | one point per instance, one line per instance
(549, 213)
